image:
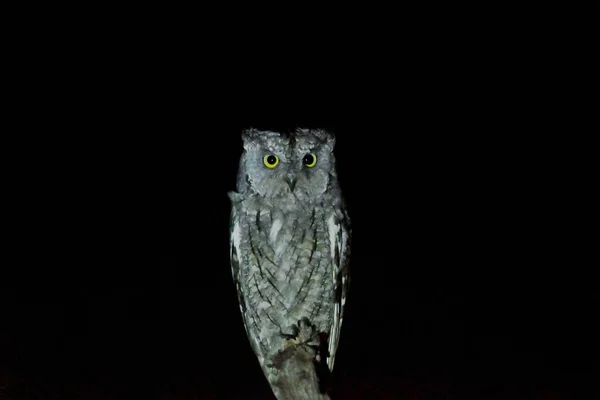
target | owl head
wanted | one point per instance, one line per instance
(300, 163)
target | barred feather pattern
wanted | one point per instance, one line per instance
(295, 268)
(290, 245)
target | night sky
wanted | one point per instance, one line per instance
(470, 276)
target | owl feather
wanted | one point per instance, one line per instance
(290, 245)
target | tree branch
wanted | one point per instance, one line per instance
(294, 376)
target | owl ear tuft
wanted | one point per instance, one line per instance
(331, 140)
(253, 137)
(248, 135)
(327, 137)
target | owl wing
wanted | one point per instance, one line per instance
(235, 240)
(237, 250)
(339, 231)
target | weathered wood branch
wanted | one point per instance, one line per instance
(296, 375)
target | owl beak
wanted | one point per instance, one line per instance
(291, 181)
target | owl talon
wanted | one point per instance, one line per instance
(305, 334)
(294, 342)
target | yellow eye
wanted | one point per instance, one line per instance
(310, 160)
(271, 161)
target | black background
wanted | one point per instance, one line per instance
(470, 263)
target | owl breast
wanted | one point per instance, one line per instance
(286, 272)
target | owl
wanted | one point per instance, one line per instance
(289, 250)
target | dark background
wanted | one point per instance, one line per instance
(471, 268)
(467, 272)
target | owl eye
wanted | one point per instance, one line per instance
(271, 160)
(310, 160)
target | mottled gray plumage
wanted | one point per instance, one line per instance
(290, 236)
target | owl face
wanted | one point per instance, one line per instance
(275, 164)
